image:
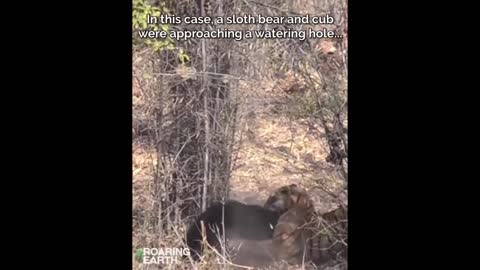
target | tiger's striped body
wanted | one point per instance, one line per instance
(302, 235)
(326, 237)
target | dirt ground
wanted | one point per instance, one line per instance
(277, 151)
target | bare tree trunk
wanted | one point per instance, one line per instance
(205, 105)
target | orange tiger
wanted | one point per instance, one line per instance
(301, 234)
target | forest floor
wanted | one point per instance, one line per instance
(276, 150)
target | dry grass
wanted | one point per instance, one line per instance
(277, 151)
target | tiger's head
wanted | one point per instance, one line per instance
(289, 235)
(286, 197)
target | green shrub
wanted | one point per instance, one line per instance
(140, 10)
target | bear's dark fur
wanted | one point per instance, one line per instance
(241, 221)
